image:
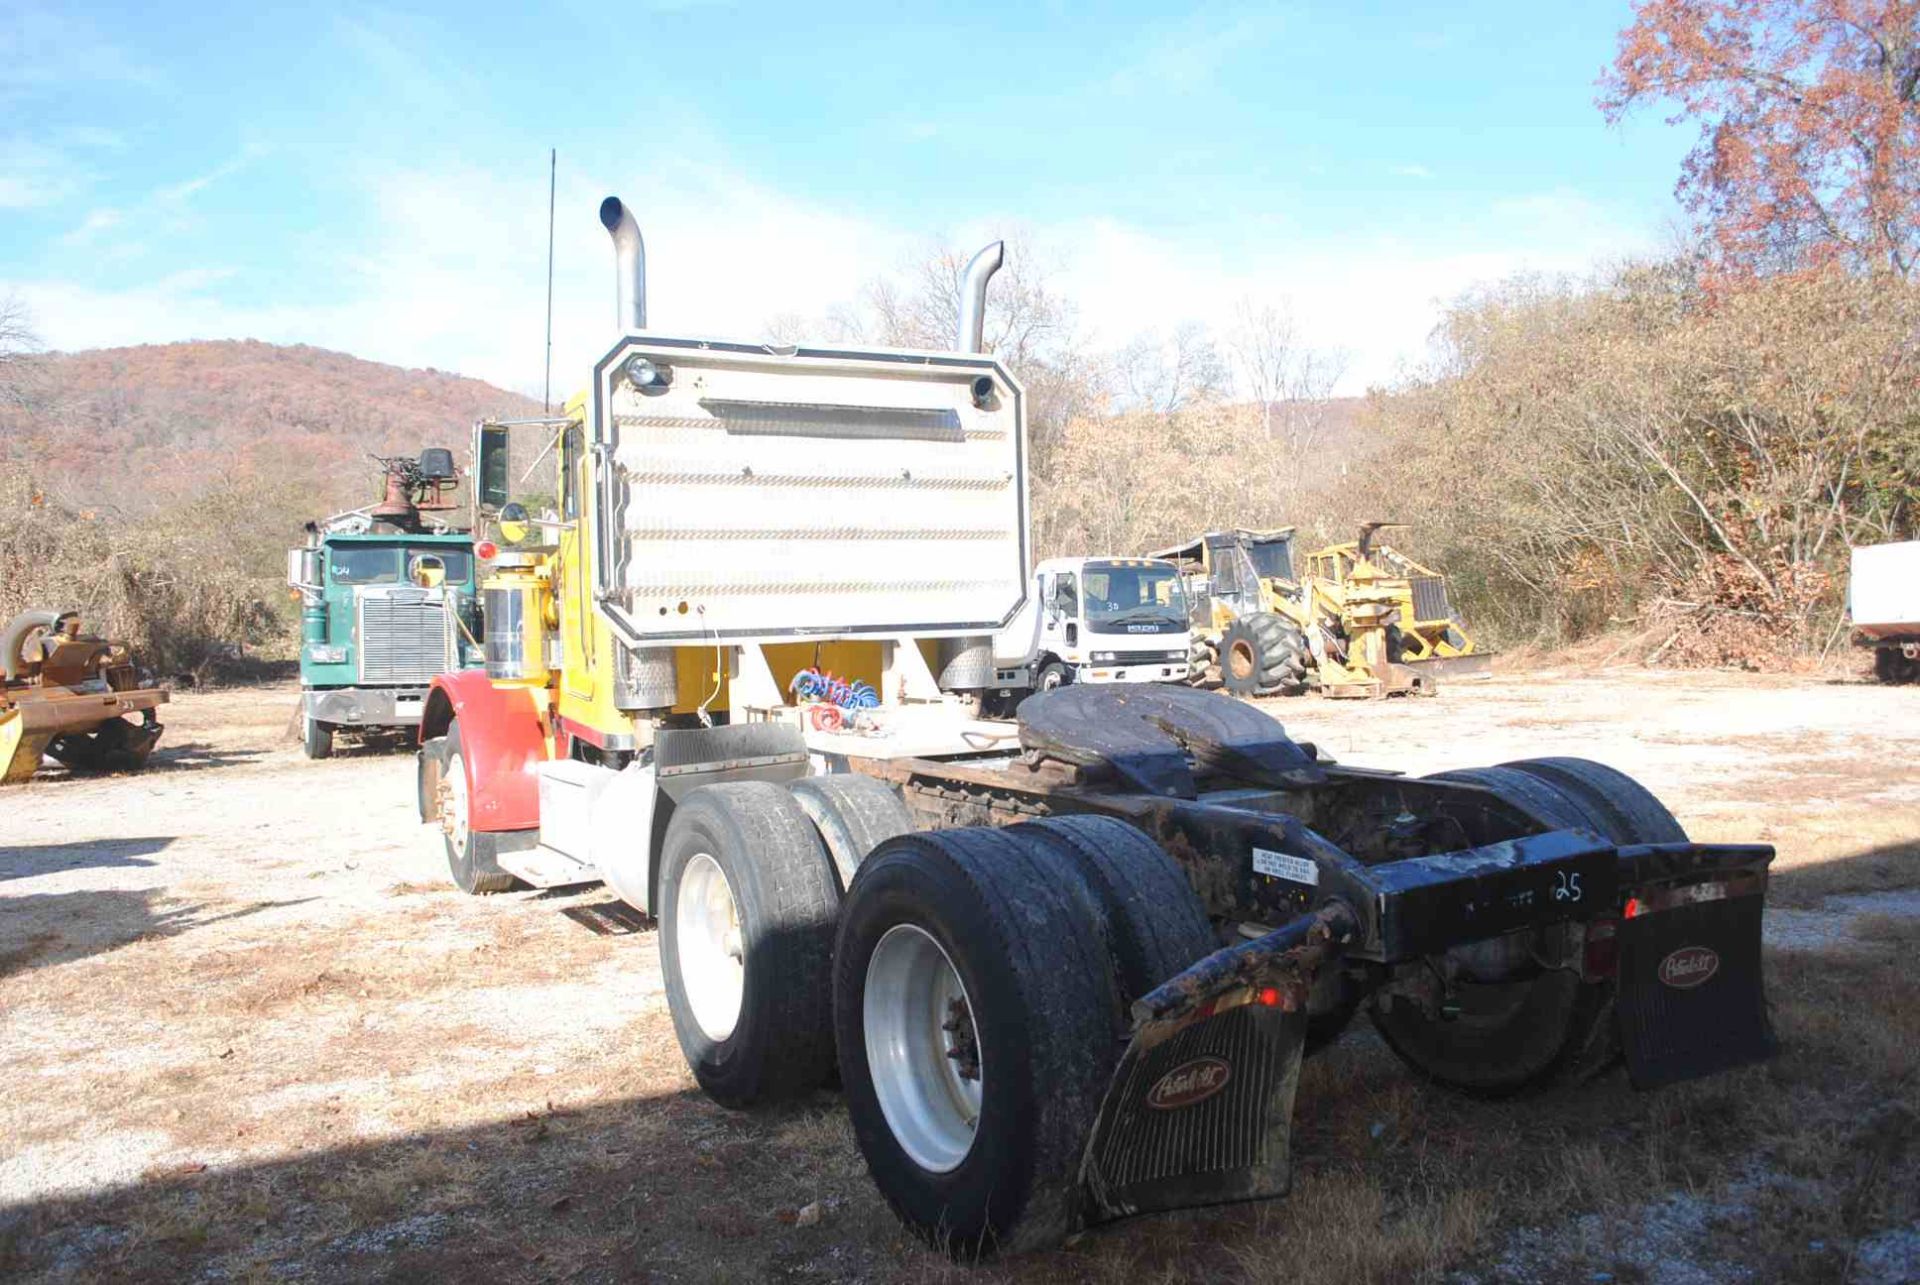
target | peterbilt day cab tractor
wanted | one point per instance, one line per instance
(387, 600)
(1361, 619)
(1065, 968)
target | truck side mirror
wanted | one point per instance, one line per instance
(303, 568)
(490, 485)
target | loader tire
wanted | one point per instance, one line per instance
(472, 855)
(976, 1011)
(1263, 655)
(1515, 1035)
(1155, 924)
(747, 911)
(854, 814)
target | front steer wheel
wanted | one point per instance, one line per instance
(473, 856)
(747, 908)
(976, 1011)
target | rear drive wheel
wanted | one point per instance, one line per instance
(1155, 924)
(975, 1009)
(1263, 655)
(472, 855)
(1521, 1031)
(748, 903)
(854, 815)
(316, 737)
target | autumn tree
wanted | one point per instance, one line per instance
(1809, 113)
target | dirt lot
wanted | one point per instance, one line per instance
(247, 1031)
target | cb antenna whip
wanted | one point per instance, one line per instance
(546, 387)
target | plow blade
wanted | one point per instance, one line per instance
(1454, 669)
(1691, 1001)
(19, 750)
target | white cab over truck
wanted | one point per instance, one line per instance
(1095, 620)
(1883, 597)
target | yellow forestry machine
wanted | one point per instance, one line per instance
(1362, 620)
(66, 695)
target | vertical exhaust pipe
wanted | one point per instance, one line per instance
(630, 262)
(971, 334)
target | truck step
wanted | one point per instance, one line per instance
(545, 867)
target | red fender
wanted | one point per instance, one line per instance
(501, 743)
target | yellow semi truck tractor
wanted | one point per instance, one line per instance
(1066, 966)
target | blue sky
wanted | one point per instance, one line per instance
(374, 178)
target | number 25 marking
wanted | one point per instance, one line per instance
(1566, 887)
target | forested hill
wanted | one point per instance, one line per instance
(131, 427)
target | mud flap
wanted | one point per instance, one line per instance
(1201, 1116)
(1691, 1001)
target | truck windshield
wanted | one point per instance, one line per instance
(458, 563)
(363, 564)
(1273, 559)
(1117, 594)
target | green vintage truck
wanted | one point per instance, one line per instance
(387, 600)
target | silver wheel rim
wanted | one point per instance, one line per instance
(707, 943)
(455, 781)
(918, 1022)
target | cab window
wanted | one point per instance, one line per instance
(373, 564)
(458, 562)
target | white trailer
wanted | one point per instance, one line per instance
(1883, 597)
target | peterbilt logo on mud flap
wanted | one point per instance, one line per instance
(1689, 967)
(1188, 1083)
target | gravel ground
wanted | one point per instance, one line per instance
(239, 964)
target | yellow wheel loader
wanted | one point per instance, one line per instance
(1361, 620)
(66, 695)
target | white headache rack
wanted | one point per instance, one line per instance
(760, 494)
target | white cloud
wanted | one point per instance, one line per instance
(453, 274)
(1413, 171)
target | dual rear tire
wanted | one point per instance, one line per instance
(970, 989)
(1537, 1025)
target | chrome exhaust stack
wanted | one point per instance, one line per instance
(971, 333)
(630, 260)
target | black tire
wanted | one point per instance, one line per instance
(429, 765)
(1532, 793)
(1263, 654)
(473, 860)
(1513, 1036)
(316, 737)
(1027, 948)
(1155, 925)
(1629, 810)
(1052, 675)
(854, 814)
(780, 879)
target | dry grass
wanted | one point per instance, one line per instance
(338, 1070)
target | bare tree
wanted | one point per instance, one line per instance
(1290, 382)
(19, 345)
(1166, 374)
